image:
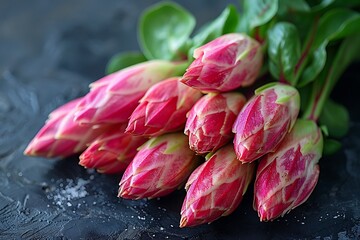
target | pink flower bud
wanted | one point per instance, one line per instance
(224, 64)
(216, 188)
(265, 120)
(113, 98)
(163, 108)
(286, 178)
(210, 121)
(162, 164)
(112, 151)
(61, 136)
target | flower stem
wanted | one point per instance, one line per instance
(305, 52)
(335, 65)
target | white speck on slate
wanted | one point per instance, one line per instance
(71, 191)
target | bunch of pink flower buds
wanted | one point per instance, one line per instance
(155, 124)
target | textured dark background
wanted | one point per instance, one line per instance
(49, 52)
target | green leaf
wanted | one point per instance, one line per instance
(305, 97)
(317, 6)
(225, 23)
(325, 5)
(347, 3)
(331, 146)
(315, 65)
(257, 13)
(164, 29)
(284, 51)
(325, 130)
(336, 64)
(336, 118)
(231, 19)
(335, 24)
(123, 60)
(288, 7)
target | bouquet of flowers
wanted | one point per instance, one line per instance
(242, 102)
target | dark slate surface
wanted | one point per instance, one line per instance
(49, 52)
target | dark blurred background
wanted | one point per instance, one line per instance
(101, 29)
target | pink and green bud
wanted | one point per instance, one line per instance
(113, 98)
(224, 64)
(162, 164)
(210, 121)
(286, 178)
(112, 151)
(216, 188)
(163, 109)
(194, 175)
(265, 120)
(61, 136)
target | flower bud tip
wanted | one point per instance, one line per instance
(183, 222)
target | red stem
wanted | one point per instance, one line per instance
(307, 47)
(304, 54)
(258, 37)
(282, 78)
(321, 95)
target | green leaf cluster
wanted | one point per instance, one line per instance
(307, 44)
(166, 32)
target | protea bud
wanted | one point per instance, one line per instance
(216, 189)
(210, 121)
(113, 98)
(61, 136)
(162, 164)
(163, 108)
(224, 64)
(112, 151)
(265, 120)
(286, 178)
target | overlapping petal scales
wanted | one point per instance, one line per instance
(163, 109)
(216, 188)
(286, 178)
(224, 64)
(61, 136)
(265, 120)
(113, 98)
(162, 164)
(210, 121)
(112, 151)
